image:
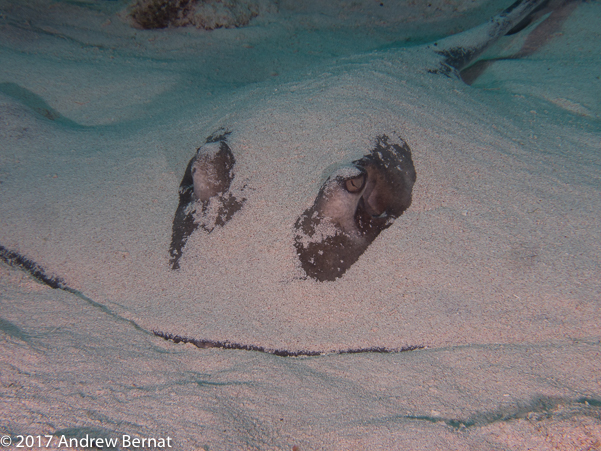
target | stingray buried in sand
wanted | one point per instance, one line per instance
(358, 206)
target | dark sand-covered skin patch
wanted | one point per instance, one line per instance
(207, 14)
(492, 268)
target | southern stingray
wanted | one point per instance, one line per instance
(377, 204)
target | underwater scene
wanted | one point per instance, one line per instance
(300, 225)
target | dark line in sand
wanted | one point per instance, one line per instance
(204, 344)
(16, 260)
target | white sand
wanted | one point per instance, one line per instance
(494, 268)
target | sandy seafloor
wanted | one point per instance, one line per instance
(493, 270)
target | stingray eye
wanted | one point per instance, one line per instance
(355, 184)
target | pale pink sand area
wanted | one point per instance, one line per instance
(492, 273)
